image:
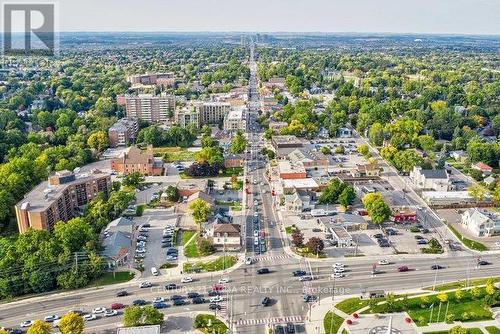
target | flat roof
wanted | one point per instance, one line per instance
(285, 166)
(446, 194)
(154, 329)
(307, 183)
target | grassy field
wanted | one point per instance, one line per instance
(191, 249)
(201, 323)
(186, 235)
(220, 263)
(475, 245)
(351, 305)
(492, 329)
(174, 153)
(290, 229)
(462, 284)
(332, 323)
(110, 278)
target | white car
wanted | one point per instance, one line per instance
(337, 275)
(223, 280)
(98, 310)
(338, 265)
(256, 233)
(216, 299)
(255, 214)
(255, 202)
(89, 317)
(140, 250)
(110, 313)
(145, 285)
(384, 262)
(338, 270)
(187, 279)
(158, 300)
(51, 318)
(248, 260)
(305, 278)
(26, 323)
(497, 244)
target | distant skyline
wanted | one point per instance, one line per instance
(381, 16)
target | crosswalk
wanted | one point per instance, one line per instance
(274, 257)
(270, 321)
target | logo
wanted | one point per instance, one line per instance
(29, 29)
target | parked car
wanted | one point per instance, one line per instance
(89, 317)
(98, 310)
(117, 306)
(216, 299)
(51, 318)
(160, 305)
(186, 279)
(213, 306)
(403, 268)
(193, 294)
(171, 286)
(299, 273)
(198, 300)
(265, 301)
(110, 313)
(139, 302)
(26, 323)
(178, 302)
(305, 278)
(263, 271)
(122, 293)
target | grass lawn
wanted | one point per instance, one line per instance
(466, 309)
(109, 278)
(191, 250)
(186, 235)
(475, 245)
(174, 153)
(305, 253)
(233, 171)
(332, 323)
(201, 323)
(462, 284)
(234, 205)
(220, 263)
(492, 329)
(290, 229)
(351, 305)
(474, 331)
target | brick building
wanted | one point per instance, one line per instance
(133, 159)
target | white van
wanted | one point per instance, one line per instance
(154, 271)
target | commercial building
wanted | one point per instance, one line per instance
(225, 236)
(310, 159)
(59, 198)
(133, 159)
(123, 132)
(287, 141)
(290, 170)
(236, 120)
(233, 160)
(481, 223)
(366, 170)
(403, 215)
(430, 179)
(150, 108)
(448, 198)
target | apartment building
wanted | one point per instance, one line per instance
(59, 198)
(186, 116)
(123, 132)
(235, 120)
(133, 159)
(159, 79)
(150, 108)
(212, 112)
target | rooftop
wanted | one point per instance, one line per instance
(154, 329)
(307, 183)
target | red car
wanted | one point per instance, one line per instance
(402, 269)
(117, 306)
(218, 287)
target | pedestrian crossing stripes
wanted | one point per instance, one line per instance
(272, 258)
(270, 321)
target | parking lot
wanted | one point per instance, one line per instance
(155, 255)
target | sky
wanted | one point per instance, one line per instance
(391, 16)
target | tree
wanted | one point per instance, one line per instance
(426, 143)
(475, 292)
(490, 288)
(458, 330)
(239, 143)
(363, 149)
(443, 297)
(376, 134)
(407, 159)
(326, 150)
(98, 141)
(459, 294)
(496, 193)
(39, 327)
(377, 209)
(478, 192)
(133, 179)
(339, 150)
(347, 196)
(172, 193)
(200, 210)
(74, 234)
(315, 245)
(152, 316)
(297, 238)
(3, 331)
(331, 193)
(205, 246)
(71, 323)
(132, 316)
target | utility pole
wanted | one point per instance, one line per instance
(432, 309)
(76, 261)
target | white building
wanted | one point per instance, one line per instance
(446, 198)
(225, 236)
(236, 119)
(430, 179)
(481, 223)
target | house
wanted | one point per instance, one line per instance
(188, 187)
(489, 180)
(483, 168)
(121, 224)
(225, 236)
(430, 179)
(133, 159)
(277, 126)
(341, 236)
(366, 170)
(201, 195)
(298, 201)
(233, 161)
(403, 215)
(459, 156)
(344, 133)
(350, 222)
(481, 223)
(117, 248)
